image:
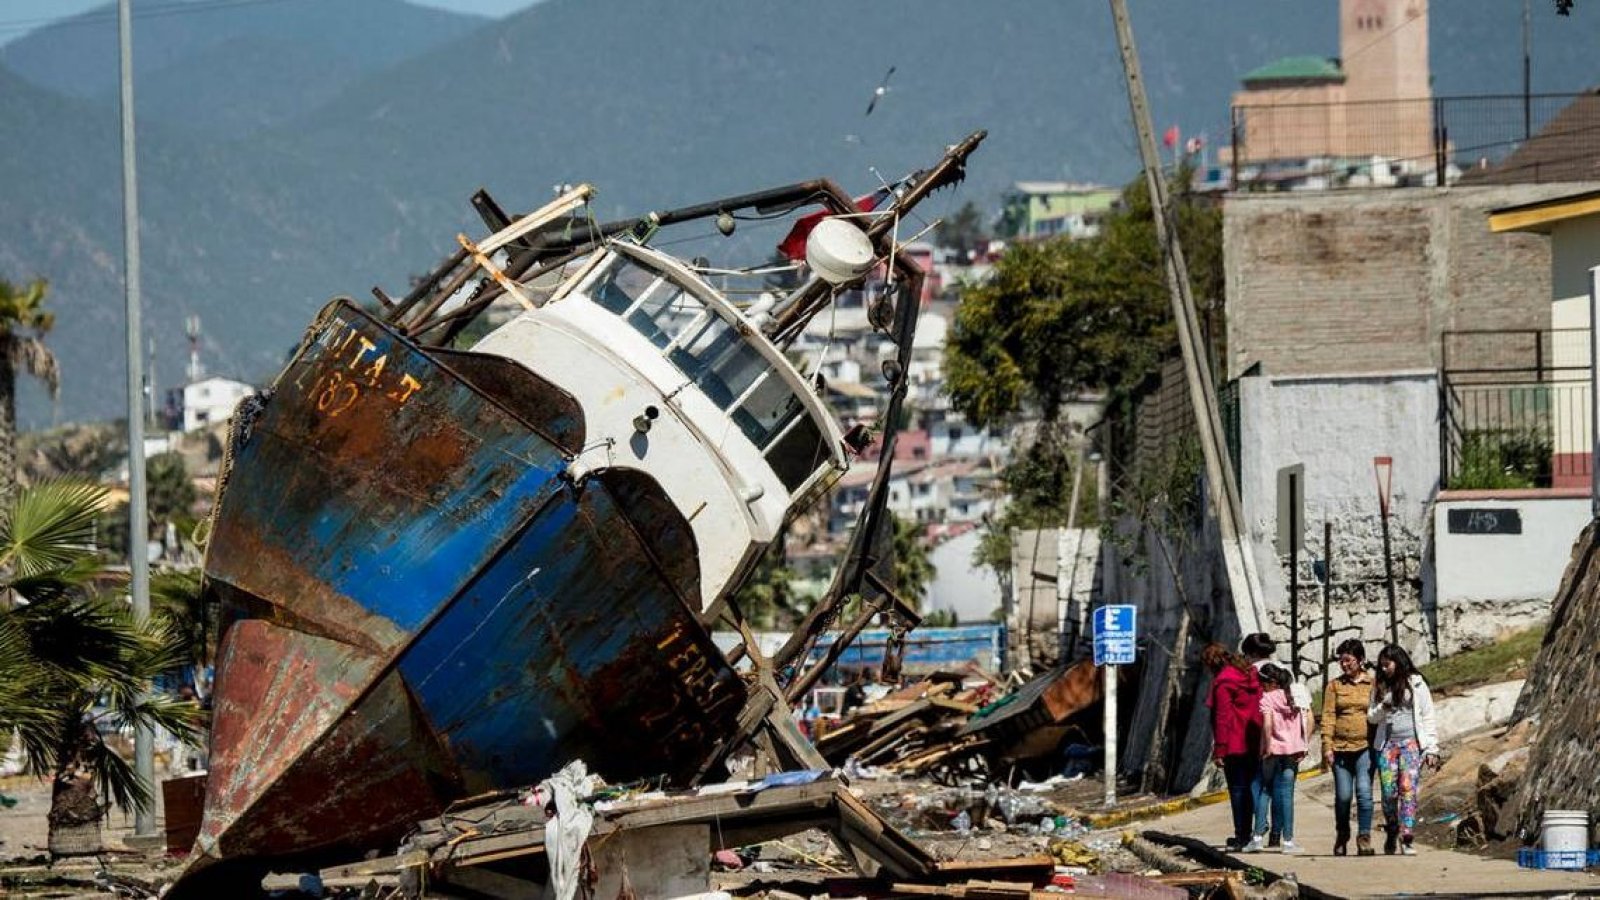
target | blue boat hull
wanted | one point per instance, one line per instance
(420, 605)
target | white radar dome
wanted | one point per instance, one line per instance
(838, 251)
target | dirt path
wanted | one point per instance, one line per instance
(1431, 873)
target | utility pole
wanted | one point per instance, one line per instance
(1223, 494)
(144, 821)
(1527, 71)
(1065, 574)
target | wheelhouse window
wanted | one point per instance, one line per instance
(723, 363)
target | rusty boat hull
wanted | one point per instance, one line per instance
(421, 603)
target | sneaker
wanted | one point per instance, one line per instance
(1256, 845)
(1232, 844)
(1364, 845)
(1405, 847)
(1289, 846)
(1391, 842)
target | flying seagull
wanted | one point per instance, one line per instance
(880, 90)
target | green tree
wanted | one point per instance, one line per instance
(1060, 317)
(913, 570)
(768, 598)
(965, 231)
(170, 497)
(86, 667)
(23, 323)
(171, 494)
(84, 451)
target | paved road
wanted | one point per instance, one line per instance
(1431, 873)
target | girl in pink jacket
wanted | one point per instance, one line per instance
(1284, 729)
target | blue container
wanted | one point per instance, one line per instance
(1558, 859)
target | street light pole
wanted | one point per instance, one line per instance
(144, 820)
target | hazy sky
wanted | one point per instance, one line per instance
(18, 17)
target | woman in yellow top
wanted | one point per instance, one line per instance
(1345, 746)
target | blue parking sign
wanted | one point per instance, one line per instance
(1115, 634)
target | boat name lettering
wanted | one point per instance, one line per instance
(695, 673)
(352, 368)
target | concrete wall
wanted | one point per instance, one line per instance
(1575, 244)
(1033, 618)
(1491, 583)
(1365, 281)
(1334, 425)
(972, 592)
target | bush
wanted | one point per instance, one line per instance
(1502, 459)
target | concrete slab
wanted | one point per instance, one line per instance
(1431, 873)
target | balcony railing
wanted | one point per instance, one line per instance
(1514, 409)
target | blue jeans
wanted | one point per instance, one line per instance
(1277, 785)
(1352, 773)
(1243, 774)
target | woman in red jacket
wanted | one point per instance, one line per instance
(1235, 702)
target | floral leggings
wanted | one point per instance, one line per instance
(1400, 775)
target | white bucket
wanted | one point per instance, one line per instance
(1565, 832)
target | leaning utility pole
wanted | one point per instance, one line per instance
(144, 820)
(1223, 495)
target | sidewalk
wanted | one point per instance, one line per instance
(1431, 873)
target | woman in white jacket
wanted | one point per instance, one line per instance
(1406, 741)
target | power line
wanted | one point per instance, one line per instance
(17, 26)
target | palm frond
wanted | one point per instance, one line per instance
(176, 599)
(181, 718)
(23, 308)
(115, 777)
(25, 709)
(31, 356)
(81, 641)
(50, 526)
(55, 584)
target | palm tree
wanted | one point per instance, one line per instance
(23, 324)
(75, 665)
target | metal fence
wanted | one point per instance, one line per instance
(1514, 409)
(1393, 143)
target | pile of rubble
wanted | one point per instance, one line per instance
(965, 729)
(749, 839)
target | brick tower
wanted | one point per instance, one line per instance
(1383, 49)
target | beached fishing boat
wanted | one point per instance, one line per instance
(449, 566)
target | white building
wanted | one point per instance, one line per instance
(212, 400)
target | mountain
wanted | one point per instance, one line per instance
(228, 69)
(655, 103)
(248, 238)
